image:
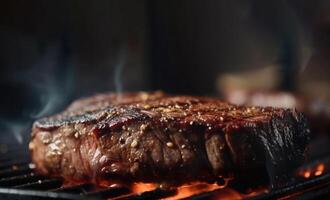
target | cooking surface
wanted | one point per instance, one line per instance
(17, 180)
(156, 141)
(52, 53)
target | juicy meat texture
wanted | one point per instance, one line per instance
(153, 137)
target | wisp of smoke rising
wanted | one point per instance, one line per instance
(54, 82)
(50, 79)
(305, 58)
(118, 72)
(16, 129)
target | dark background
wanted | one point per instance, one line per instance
(52, 52)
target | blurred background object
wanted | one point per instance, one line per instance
(52, 52)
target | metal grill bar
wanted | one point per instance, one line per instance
(317, 182)
(22, 183)
(33, 195)
(319, 194)
(20, 180)
(15, 171)
(46, 184)
(77, 189)
(154, 194)
(109, 193)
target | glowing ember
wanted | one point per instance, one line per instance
(196, 188)
(310, 172)
(219, 191)
(319, 170)
(143, 187)
(307, 174)
(193, 189)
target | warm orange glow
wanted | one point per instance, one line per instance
(219, 191)
(193, 189)
(307, 174)
(255, 192)
(104, 183)
(319, 170)
(189, 190)
(143, 187)
(227, 194)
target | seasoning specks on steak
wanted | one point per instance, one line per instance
(153, 137)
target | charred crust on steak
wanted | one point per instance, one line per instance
(185, 111)
(156, 137)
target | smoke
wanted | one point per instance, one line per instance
(118, 71)
(306, 55)
(47, 86)
(53, 82)
(18, 130)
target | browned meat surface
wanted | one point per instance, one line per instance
(316, 111)
(160, 138)
(104, 100)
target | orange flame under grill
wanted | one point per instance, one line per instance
(193, 189)
(189, 190)
(310, 172)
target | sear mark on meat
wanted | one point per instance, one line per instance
(153, 137)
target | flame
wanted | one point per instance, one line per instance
(185, 191)
(319, 170)
(306, 173)
(220, 189)
(143, 187)
(193, 189)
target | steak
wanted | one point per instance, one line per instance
(154, 137)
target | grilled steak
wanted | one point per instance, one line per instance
(160, 138)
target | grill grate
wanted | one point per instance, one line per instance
(18, 181)
(155, 194)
